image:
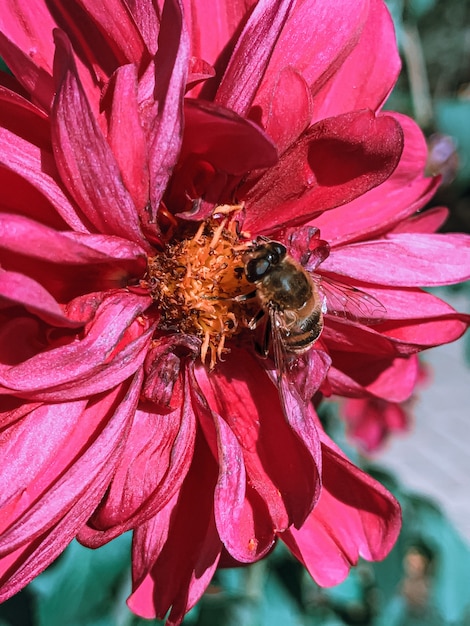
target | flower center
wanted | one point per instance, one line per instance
(195, 281)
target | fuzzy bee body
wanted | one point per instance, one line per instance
(293, 302)
(288, 293)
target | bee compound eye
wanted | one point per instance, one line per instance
(280, 250)
(275, 253)
(256, 269)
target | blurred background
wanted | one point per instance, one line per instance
(424, 460)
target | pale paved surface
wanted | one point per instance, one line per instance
(434, 459)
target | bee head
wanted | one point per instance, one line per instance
(260, 260)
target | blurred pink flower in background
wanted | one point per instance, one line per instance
(371, 421)
(141, 148)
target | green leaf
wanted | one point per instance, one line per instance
(452, 567)
(278, 607)
(419, 8)
(85, 587)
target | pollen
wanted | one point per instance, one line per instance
(195, 282)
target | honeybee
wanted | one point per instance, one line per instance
(295, 302)
(287, 293)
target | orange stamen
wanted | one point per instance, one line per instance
(195, 282)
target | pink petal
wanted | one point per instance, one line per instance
(145, 14)
(126, 136)
(52, 521)
(371, 421)
(241, 393)
(154, 463)
(382, 208)
(243, 525)
(232, 517)
(25, 25)
(368, 73)
(81, 263)
(406, 332)
(84, 157)
(20, 235)
(355, 517)
(180, 547)
(24, 119)
(115, 22)
(199, 70)
(37, 167)
(410, 304)
(429, 221)
(211, 25)
(317, 47)
(334, 162)
(221, 138)
(20, 197)
(224, 137)
(416, 320)
(251, 55)
(171, 68)
(427, 333)
(163, 366)
(345, 336)
(319, 52)
(286, 108)
(106, 356)
(36, 475)
(25, 49)
(28, 47)
(359, 375)
(404, 259)
(218, 148)
(31, 474)
(17, 289)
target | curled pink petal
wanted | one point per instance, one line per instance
(363, 80)
(64, 373)
(171, 68)
(418, 260)
(251, 55)
(380, 209)
(327, 167)
(18, 289)
(54, 520)
(95, 184)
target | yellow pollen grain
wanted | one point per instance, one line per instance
(194, 283)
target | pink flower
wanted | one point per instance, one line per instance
(142, 149)
(371, 420)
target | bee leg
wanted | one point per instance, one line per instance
(253, 323)
(246, 296)
(262, 349)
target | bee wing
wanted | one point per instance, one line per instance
(299, 376)
(349, 302)
(296, 388)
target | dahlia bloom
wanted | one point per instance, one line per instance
(143, 148)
